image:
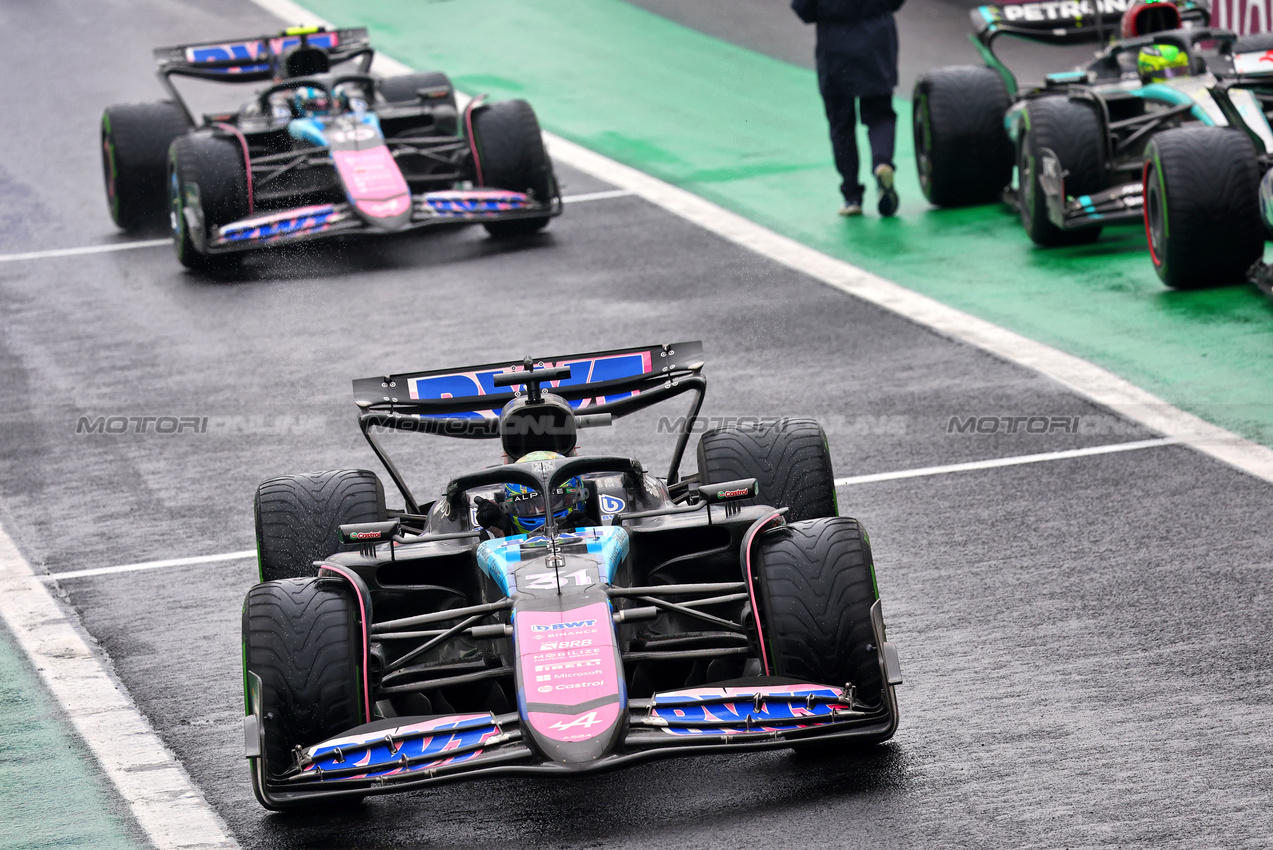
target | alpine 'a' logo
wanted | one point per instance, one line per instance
(587, 721)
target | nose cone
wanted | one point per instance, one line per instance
(571, 693)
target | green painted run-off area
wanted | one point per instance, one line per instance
(52, 794)
(747, 132)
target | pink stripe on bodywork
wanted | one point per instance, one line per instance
(366, 641)
(474, 104)
(247, 160)
(756, 528)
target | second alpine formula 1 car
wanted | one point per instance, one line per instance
(322, 147)
(557, 614)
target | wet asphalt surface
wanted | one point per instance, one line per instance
(1085, 642)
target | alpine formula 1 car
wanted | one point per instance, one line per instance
(318, 151)
(559, 614)
(1078, 141)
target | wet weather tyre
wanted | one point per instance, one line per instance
(511, 155)
(135, 139)
(303, 639)
(404, 91)
(817, 588)
(1202, 209)
(207, 173)
(298, 517)
(789, 458)
(962, 152)
(1072, 130)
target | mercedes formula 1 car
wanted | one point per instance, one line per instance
(558, 614)
(318, 150)
(1079, 140)
(1209, 190)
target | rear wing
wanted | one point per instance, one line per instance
(246, 60)
(599, 382)
(465, 402)
(1061, 22)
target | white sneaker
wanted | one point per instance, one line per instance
(851, 208)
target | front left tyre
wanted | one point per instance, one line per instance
(303, 640)
(135, 140)
(1202, 208)
(511, 156)
(817, 588)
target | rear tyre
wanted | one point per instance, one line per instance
(404, 91)
(1202, 209)
(207, 173)
(789, 458)
(298, 517)
(511, 155)
(303, 638)
(135, 140)
(962, 152)
(817, 587)
(1072, 130)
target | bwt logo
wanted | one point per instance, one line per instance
(555, 627)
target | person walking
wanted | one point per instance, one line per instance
(857, 64)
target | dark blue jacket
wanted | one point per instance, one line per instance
(857, 44)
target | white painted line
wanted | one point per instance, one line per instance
(87, 249)
(149, 565)
(1084, 378)
(160, 794)
(157, 243)
(1018, 460)
(970, 466)
(597, 196)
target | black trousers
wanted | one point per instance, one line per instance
(881, 130)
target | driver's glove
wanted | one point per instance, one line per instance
(490, 515)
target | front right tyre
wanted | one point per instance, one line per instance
(303, 640)
(207, 173)
(1072, 130)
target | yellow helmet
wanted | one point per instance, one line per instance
(1158, 62)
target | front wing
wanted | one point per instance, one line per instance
(1117, 204)
(414, 752)
(474, 206)
(400, 754)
